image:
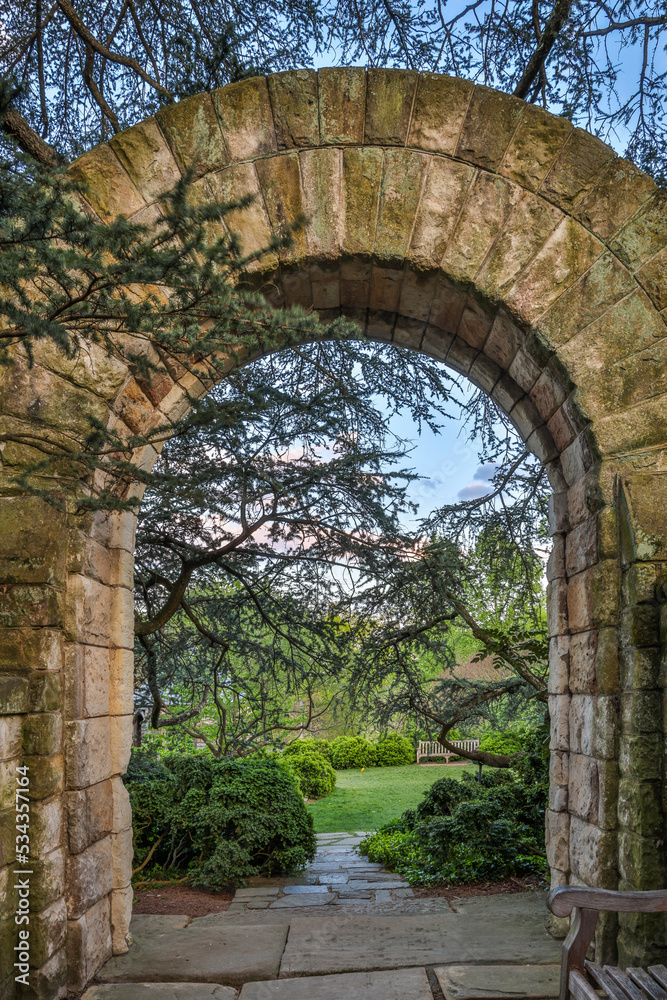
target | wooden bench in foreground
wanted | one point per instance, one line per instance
(429, 748)
(580, 978)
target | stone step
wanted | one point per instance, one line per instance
(400, 984)
(160, 991)
(499, 982)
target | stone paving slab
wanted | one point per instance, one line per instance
(313, 899)
(484, 982)
(199, 953)
(352, 942)
(401, 984)
(160, 991)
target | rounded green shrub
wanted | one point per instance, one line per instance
(505, 743)
(352, 751)
(220, 821)
(314, 773)
(393, 751)
(323, 747)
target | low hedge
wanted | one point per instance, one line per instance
(218, 821)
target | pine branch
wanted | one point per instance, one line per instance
(553, 27)
(16, 126)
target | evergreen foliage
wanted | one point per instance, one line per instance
(313, 771)
(393, 750)
(468, 830)
(352, 751)
(217, 822)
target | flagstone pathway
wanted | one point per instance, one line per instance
(345, 929)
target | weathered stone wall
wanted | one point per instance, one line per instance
(444, 217)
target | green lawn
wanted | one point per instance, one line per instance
(364, 800)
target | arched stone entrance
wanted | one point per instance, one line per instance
(449, 218)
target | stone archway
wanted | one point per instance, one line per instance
(449, 218)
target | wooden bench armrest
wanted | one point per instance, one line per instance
(562, 900)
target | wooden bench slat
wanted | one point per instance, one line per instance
(647, 983)
(621, 979)
(580, 988)
(605, 981)
(659, 973)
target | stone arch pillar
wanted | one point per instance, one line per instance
(448, 218)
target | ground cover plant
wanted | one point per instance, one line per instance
(365, 800)
(479, 828)
(214, 822)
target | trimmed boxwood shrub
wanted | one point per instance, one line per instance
(219, 821)
(314, 773)
(393, 751)
(505, 743)
(352, 751)
(323, 747)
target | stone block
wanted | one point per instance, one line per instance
(605, 728)
(484, 373)
(644, 235)
(148, 160)
(445, 189)
(593, 597)
(577, 458)
(583, 798)
(38, 649)
(89, 877)
(641, 939)
(640, 756)
(46, 775)
(558, 512)
(559, 711)
(557, 604)
(7, 836)
(447, 306)
(643, 425)
(90, 815)
(580, 162)
(121, 912)
(45, 691)
(582, 546)
(557, 839)
(640, 626)
(50, 981)
(36, 607)
(86, 680)
(559, 663)
(88, 943)
(487, 207)
(47, 883)
(10, 736)
(593, 854)
(280, 181)
(121, 681)
(436, 343)
(566, 256)
(244, 112)
(640, 807)
(321, 171)
(389, 99)
(640, 582)
(488, 127)
(121, 855)
(541, 444)
(122, 812)
(440, 107)
(342, 101)
(294, 101)
(46, 826)
(617, 195)
(640, 861)
(120, 728)
(582, 723)
(108, 188)
(48, 931)
(192, 130)
(416, 294)
(608, 781)
(558, 781)
(640, 669)
(88, 751)
(652, 278)
(87, 610)
(556, 560)
(31, 542)
(590, 495)
(641, 712)
(527, 229)
(460, 356)
(533, 149)
(402, 178)
(121, 568)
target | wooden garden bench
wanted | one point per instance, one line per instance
(429, 748)
(579, 978)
